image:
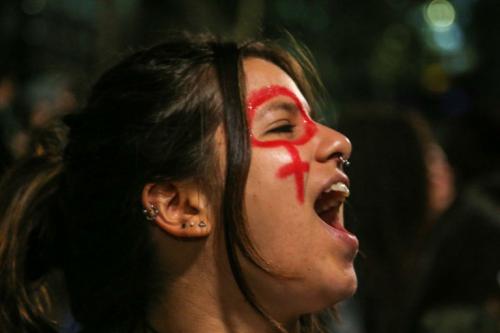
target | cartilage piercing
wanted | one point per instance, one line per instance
(151, 213)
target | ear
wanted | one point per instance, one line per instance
(178, 208)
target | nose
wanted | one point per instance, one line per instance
(333, 145)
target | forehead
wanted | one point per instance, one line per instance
(261, 73)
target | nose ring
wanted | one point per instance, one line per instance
(345, 163)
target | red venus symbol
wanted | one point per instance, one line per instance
(296, 167)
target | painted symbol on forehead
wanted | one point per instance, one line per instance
(296, 167)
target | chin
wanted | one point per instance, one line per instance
(343, 289)
(318, 296)
(350, 288)
(351, 283)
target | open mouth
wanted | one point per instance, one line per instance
(328, 204)
(328, 207)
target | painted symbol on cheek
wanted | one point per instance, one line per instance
(296, 167)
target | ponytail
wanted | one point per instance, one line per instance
(28, 212)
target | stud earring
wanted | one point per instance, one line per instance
(151, 213)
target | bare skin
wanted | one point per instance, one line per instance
(200, 293)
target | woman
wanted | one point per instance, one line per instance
(195, 194)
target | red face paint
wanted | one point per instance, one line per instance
(296, 167)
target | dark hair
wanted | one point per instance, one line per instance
(151, 118)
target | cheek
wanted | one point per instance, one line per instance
(263, 178)
(287, 162)
(265, 191)
(276, 222)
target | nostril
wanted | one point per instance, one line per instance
(335, 156)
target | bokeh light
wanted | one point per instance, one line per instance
(440, 14)
(435, 79)
(449, 40)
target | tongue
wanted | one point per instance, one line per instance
(330, 217)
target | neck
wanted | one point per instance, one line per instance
(206, 298)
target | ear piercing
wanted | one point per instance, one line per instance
(151, 213)
(202, 224)
(345, 163)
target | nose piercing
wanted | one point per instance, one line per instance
(345, 163)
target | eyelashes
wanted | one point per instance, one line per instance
(286, 128)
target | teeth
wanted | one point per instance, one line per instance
(340, 187)
(326, 203)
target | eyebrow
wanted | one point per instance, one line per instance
(275, 106)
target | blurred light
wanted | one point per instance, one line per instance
(440, 14)
(460, 62)
(388, 59)
(450, 40)
(33, 7)
(435, 79)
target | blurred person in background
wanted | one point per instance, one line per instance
(7, 121)
(26, 112)
(461, 288)
(194, 194)
(388, 209)
(48, 97)
(422, 246)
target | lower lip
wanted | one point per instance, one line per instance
(346, 236)
(338, 231)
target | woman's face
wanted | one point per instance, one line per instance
(294, 197)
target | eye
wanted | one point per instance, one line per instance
(285, 128)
